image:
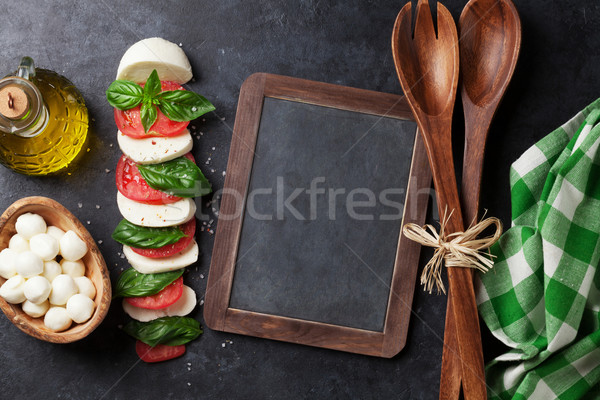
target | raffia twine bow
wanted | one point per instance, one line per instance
(458, 249)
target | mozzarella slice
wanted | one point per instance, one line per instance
(166, 57)
(153, 150)
(184, 305)
(147, 265)
(156, 215)
(180, 308)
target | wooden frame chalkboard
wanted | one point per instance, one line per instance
(229, 307)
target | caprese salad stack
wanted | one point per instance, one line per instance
(157, 179)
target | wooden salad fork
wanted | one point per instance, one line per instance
(428, 69)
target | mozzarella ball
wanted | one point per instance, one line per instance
(85, 286)
(30, 224)
(37, 289)
(57, 319)
(44, 245)
(63, 287)
(80, 308)
(72, 248)
(52, 269)
(12, 290)
(73, 268)
(18, 243)
(35, 310)
(29, 264)
(55, 232)
(8, 263)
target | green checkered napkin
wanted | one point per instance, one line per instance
(542, 298)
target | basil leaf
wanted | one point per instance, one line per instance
(148, 114)
(182, 105)
(135, 284)
(124, 95)
(145, 237)
(171, 331)
(179, 177)
(152, 86)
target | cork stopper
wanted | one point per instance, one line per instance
(14, 103)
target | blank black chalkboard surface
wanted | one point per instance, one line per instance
(308, 248)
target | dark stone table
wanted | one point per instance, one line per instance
(345, 43)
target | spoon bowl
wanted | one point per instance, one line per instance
(95, 269)
(490, 40)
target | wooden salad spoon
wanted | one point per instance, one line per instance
(490, 40)
(428, 69)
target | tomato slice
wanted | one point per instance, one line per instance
(158, 353)
(130, 123)
(169, 295)
(189, 229)
(132, 185)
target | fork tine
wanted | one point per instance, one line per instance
(402, 26)
(424, 27)
(445, 21)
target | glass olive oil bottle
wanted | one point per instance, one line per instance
(43, 121)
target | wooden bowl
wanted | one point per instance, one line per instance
(95, 269)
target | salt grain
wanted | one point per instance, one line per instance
(97, 206)
(107, 170)
(88, 222)
(79, 205)
(213, 148)
(201, 302)
(201, 276)
(100, 241)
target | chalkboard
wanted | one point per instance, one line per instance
(308, 247)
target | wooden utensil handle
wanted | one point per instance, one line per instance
(475, 138)
(461, 292)
(476, 128)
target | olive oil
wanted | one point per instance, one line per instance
(51, 141)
